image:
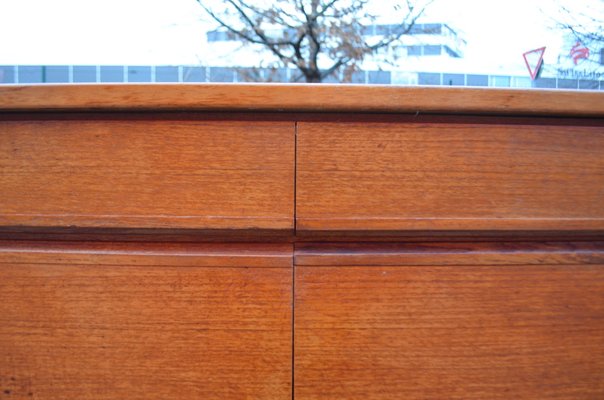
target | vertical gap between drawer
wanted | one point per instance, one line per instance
(295, 173)
(293, 317)
(294, 259)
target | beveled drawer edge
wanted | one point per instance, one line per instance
(449, 253)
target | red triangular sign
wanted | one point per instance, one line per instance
(533, 60)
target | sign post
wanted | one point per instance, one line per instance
(534, 61)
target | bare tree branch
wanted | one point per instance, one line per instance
(584, 27)
(319, 37)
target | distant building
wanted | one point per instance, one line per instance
(431, 54)
(423, 41)
(36, 74)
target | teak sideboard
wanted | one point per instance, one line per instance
(306, 241)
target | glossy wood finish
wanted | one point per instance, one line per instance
(147, 174)
(449, 242)
(131, 321)
(302, 98)
(418, 177)
(462, 330)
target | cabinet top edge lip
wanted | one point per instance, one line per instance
(327, 98)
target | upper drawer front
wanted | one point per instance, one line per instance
(147, 174)
(449, 176)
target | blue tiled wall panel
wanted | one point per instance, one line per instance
(589, 85)
(30, 74)
(222, 74)
(193, 74)
(110, 73)
(568, 84)
(428, 78)
(545, 83)
(56, 74)
(84, 73)
(379, 77)
(139, 74)
(478, 80)
(7, 74)
(453, 79)
(166, 74)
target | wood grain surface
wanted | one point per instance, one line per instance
(144, 326)
(449, 332)
(448, 242)
(304, 98)
(147, 174)
(405, 176)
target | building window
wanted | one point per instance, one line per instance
(432, 29)
(7, 74)
(382, 30)
(219, 36)
(84, 73)
(398, 29)
(166, 74)
(414, 50)
(193, 74)
(588, 84)
(431, 50)
(139, 74)
(500, 81)
(478, 80)
(211, 36)
(379, 77)
(428, 78)
(30, 74)
(367, 30)
(522, 82)
(220, 74)
(426, 29)
(112, 74)
(357, 77)
(416, 29)
(548, 83)
(56, 74)
(568, 83)
(453, 79)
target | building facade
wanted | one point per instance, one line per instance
(434, 44)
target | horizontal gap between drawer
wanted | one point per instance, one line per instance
(449, 253)
(276, 255)
(260, 116)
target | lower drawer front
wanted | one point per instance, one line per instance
(449, 332)
(120, 325)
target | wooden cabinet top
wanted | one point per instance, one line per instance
(301, 98)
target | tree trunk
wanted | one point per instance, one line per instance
(313, 77)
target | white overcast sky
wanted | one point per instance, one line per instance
(170, 32)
